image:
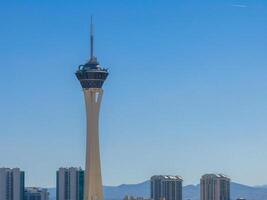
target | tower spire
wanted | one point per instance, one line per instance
(92, 38)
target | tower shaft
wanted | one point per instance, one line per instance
(93, 180)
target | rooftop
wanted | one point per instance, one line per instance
(167, 177)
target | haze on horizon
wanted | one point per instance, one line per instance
(186, 93)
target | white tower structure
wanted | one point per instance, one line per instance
(92, 77)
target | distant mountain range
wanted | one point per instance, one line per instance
(189, 192)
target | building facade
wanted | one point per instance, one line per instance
(166, 187)
(214, 187)
(32, 193)
(70, 184)
(11, 184)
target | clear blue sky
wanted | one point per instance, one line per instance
(186, 95)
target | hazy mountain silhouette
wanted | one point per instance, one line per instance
(189, 192)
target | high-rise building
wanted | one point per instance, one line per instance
(33, 193)
(166, 187)
(215, 187)
(11, 184)
(92, 76)
(70, 184)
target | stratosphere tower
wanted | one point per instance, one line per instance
(92, 76)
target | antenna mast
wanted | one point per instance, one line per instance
(92, 37)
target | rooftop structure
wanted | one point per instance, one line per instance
(167, 177)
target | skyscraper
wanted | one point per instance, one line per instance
(32, 193)
(70, 184)
(166, 187)
(92, 77)
(11, 184)
(215, 187)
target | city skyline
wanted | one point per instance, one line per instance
(192, 81)
(70, 185)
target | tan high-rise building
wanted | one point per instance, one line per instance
(214, 187)
(92, 77)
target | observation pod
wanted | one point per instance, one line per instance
(91, 75)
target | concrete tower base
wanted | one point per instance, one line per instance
(93, 180)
